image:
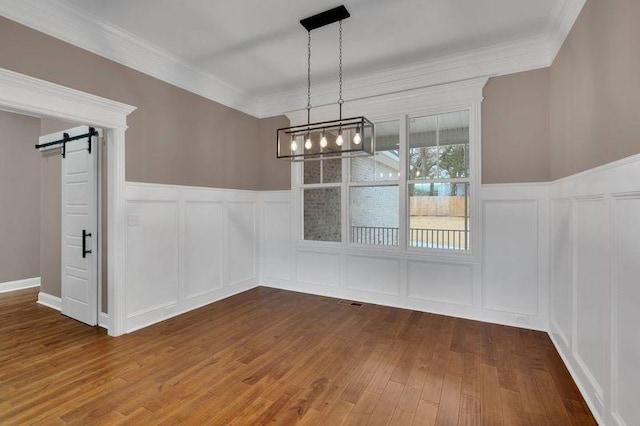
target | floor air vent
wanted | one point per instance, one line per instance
(351, 303)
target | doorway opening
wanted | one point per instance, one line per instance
(23, 94)
(51, 198)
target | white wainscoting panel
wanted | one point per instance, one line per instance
(202, 243)
(511, 256)
(626, 308)
(450, 285)
(592, 271)
(515, 276)
(242, 241)
(276, 238)
(186, 247)
(379, 275)
(595, 278)
(318, 268)
(441, 282)
(152, 255)
(561, 277)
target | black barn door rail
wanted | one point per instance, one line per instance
(66, 138)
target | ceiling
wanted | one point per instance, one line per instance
(258, 48)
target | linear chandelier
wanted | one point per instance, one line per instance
(344, 137)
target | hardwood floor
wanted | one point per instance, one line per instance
(271, 356)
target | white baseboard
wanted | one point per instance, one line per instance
(570, 367)
(56, 303)
(19, 284)
(155, 316)
(103, 320)
(464, 312)
(50, 301)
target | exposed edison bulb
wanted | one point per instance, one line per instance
(294, 146)
(308, 143)
(357, 138)
(339, 140)
(417, 173)
(323, 141)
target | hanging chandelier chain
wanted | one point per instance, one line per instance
(309, 72)
(340, 100)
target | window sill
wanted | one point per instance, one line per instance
(410, 253)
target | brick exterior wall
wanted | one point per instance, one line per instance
(370, 206)
(331, 171)
(322, 220)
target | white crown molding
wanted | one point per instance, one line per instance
(564, 15)
(503, 59)
(509, 58)
(56, 18)
(443, 96)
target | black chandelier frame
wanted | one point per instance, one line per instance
(363, 129)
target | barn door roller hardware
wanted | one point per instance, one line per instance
(66, 138)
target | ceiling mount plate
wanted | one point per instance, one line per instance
(325, 18)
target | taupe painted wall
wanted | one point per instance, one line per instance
(515, 128)
(177, 137)
(174, 137)
(275, 174)
(50, 125)
(19, 197)
(595, 89)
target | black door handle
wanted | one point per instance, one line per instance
(85, 234)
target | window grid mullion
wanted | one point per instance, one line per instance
(403, 202)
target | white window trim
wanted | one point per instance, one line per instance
(442, 99)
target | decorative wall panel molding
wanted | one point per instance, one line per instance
(625, 303)
(561, 264)
(203, 241)
(411, 280)
(241, 227)
(374, 274)
(275, 249)
(510, 267)
(440, 282)
(594, 321)
(187, 247)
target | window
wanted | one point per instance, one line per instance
(374, 198)
(322, 200)
(414, 193)
(438, 183)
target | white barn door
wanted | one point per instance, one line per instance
(79, 226)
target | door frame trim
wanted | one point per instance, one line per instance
(27, 95)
